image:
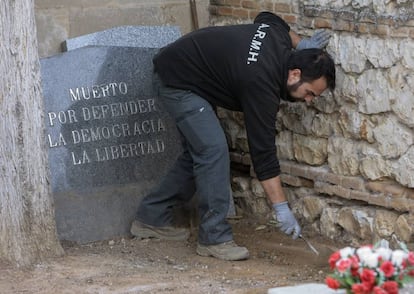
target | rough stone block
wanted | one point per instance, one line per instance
(312, 208)
(285, 166)
(380, 200)
(404, 227)
(332, 178)
(299, 170)
(318, 173)
(126, 36)
(386, 188)
(355, 183)
(358, 195)
(356, 221)
(384, 223)
(325, 188)
(296, 181)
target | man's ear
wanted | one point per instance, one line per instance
(294, 76)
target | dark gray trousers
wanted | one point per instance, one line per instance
(204, 166)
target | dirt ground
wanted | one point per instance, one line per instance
(129, 265)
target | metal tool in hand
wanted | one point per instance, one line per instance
(309, 245)
(274, 223)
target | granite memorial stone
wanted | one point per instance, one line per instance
(127, 36)
(109, 138)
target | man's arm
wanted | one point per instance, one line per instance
(318, 40)
(295, 38)
(286, 221)
(273, 190)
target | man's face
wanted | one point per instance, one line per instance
(304, 91)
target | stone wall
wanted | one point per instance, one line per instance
(58, 20)
(348, 159)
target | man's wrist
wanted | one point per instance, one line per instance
(279, 205)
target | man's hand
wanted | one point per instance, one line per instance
(318, 40)
(286, 221)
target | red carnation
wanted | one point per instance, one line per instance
(378, 290)
(360, 289)
(354, 272)
(343, 265)
(368, 277)
(391, 287)
(354, 265)
(388, 269)
(334, 258)
(410, 258)
(332, 283)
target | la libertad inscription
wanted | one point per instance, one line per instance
(107, 111)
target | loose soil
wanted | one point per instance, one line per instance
(128, 265)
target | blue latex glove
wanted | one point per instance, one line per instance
(286, 221)
(318, 40)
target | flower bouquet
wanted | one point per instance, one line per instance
(371, 269)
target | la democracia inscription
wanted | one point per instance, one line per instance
(94, 134)
(108, 122)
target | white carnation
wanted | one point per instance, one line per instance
(346, 252)
(397, 257)
(369, 259)
(384, 253)
(362, 251)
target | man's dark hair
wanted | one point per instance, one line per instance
(313, 63)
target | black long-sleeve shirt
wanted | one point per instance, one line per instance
(241, 68)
